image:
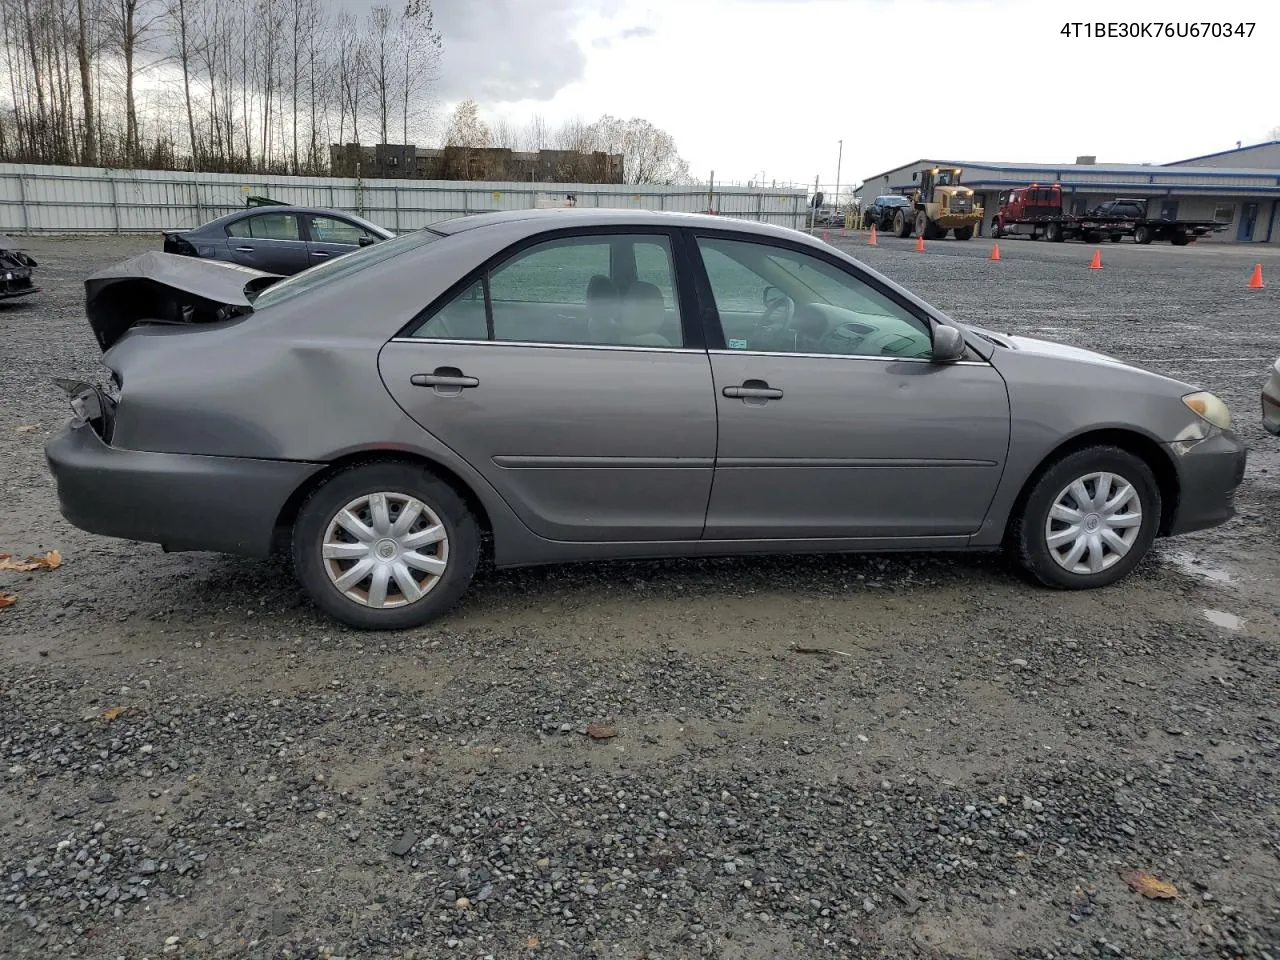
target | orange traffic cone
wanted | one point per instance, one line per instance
(1255, 281)
(871, 241)
(1096, 262)
(995, 251)
(920, 244)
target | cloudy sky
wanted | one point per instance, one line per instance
(768, 87)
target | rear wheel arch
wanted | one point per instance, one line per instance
(289, 512)
(1140, 445)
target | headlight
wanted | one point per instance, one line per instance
(1208, 407)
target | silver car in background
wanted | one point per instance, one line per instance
(593, 384)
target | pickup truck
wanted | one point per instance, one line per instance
(1131, 217)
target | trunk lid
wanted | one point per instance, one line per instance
(164, 288)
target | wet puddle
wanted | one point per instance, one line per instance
(1195, 567)
(1228, 621)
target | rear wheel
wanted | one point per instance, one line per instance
(1053, 232)
(1089, 519)
(1179, 240)
(1142, 235)
(902, 225)
(1117, 237)
(964, 233)
(385, 546)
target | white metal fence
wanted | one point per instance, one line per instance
(49, 199)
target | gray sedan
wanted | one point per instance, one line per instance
(591, 384)
(277, 239)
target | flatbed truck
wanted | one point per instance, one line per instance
(1035, 211)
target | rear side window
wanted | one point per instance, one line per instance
(266, 226)
(597, 290)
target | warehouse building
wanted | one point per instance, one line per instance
(1238, 188)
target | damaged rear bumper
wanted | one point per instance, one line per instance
(181, 501)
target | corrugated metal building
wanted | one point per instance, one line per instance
(1239, 188)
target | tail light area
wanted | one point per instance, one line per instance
(93, 405)
(175, 244)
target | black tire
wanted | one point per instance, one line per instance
(1053, 232)
(996, 234)
(901, 225)
(1027, 535)
(1179, 240)
(1117, 237)
(964, 233)
(324, 503)
(1142, 235)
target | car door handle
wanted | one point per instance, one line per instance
(318, 253)
(750, 391)
(443, 379)
(244, 249)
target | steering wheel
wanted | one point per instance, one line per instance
(774, 306)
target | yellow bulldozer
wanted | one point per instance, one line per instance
(939, 204)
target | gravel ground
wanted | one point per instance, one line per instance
(196, 764)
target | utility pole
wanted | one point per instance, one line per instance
(839, 157)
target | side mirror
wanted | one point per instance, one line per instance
(948, 344)
(770, 294)
(366, 240)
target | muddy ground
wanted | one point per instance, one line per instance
(197, 764)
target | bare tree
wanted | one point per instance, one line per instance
(90, 150)
(182, 26)
(422, 45)
(649, 154)
(131, 23)
(535, 135)
(466, 129)
(380, 55)
(504, 134)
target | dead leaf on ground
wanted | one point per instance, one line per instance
(40, 561)
(111, 713)
(28, 428)
(601, 733)
(7, 600)
(1153, 888)
(532, 941)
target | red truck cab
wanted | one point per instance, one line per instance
(1020, 209)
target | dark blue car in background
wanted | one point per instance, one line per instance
(277, 239)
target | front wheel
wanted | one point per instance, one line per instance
(385, 546)
(1089, 519)
(964, 233)
(901, 225)
(996, 234)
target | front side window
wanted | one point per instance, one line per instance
(332, 230)
(777, 300)
(600, 290)
(266, 226)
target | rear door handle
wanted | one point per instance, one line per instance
(318, 253)
(244, 249)
(745, 392)
(444, 377)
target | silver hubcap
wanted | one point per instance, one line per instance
(385, 550)
(1093, 523)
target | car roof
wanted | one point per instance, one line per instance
(287, 208)
(606, 217)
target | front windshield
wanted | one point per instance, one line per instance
(343, 266)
